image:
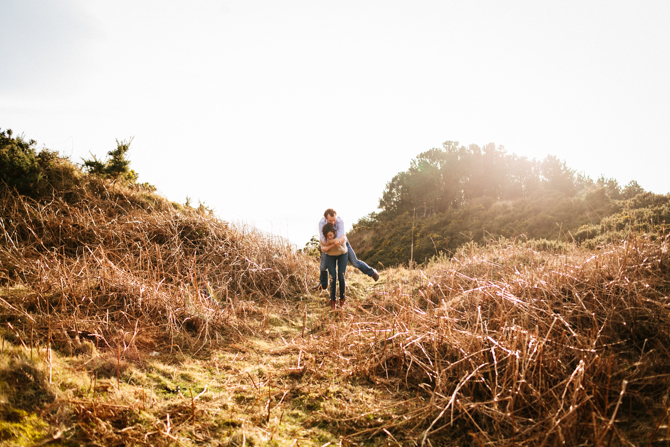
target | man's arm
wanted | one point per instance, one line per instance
(340, 237)
(340, 241)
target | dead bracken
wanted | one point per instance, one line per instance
(128, 320)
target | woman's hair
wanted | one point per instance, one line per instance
(327, 228)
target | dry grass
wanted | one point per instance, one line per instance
(122, 268)
(174, 328)
(509, 346)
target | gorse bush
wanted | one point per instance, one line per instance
(40, 174)
(18, 162)
(117, 165)
(21, 166)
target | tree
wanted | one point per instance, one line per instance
(558, 176)
(631, 190)
(611, 187)
(395, 195)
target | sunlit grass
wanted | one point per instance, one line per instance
(136, 326)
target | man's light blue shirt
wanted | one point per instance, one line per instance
(339, 228)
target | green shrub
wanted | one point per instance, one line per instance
(116, 167)
(31, 173)
(312, 248)
(20, 166)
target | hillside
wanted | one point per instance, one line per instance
(127, 319)
(456, 195)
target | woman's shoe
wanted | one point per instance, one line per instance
(342, 300)
(332, 305)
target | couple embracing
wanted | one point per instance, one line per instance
(335, 253)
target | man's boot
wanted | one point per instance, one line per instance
(342, 300)
(332, 305)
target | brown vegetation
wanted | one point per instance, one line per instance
(171, 327)
(119, 266)
(507, 345)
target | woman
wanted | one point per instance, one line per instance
(336, 261)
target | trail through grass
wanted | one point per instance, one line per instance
(270, 388)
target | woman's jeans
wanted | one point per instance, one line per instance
(337, 264)
(357, 263)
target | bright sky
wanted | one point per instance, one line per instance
(272, 111)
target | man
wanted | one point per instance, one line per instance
(331, 217)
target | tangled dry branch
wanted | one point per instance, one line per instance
(510, 346)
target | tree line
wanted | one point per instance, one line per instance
(458, 194)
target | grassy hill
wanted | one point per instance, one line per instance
(126, 319)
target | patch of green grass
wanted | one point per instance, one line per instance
(21, 428)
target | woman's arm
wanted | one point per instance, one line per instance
(328, 246)
(332, 243)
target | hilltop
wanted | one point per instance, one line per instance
(128, 319)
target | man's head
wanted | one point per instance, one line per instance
(331, 216)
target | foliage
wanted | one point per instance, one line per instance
(41, 174)
(455, 195)
(312, 248)
(18, 161)
(117, 165)
(440, 179)
(22, 167)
